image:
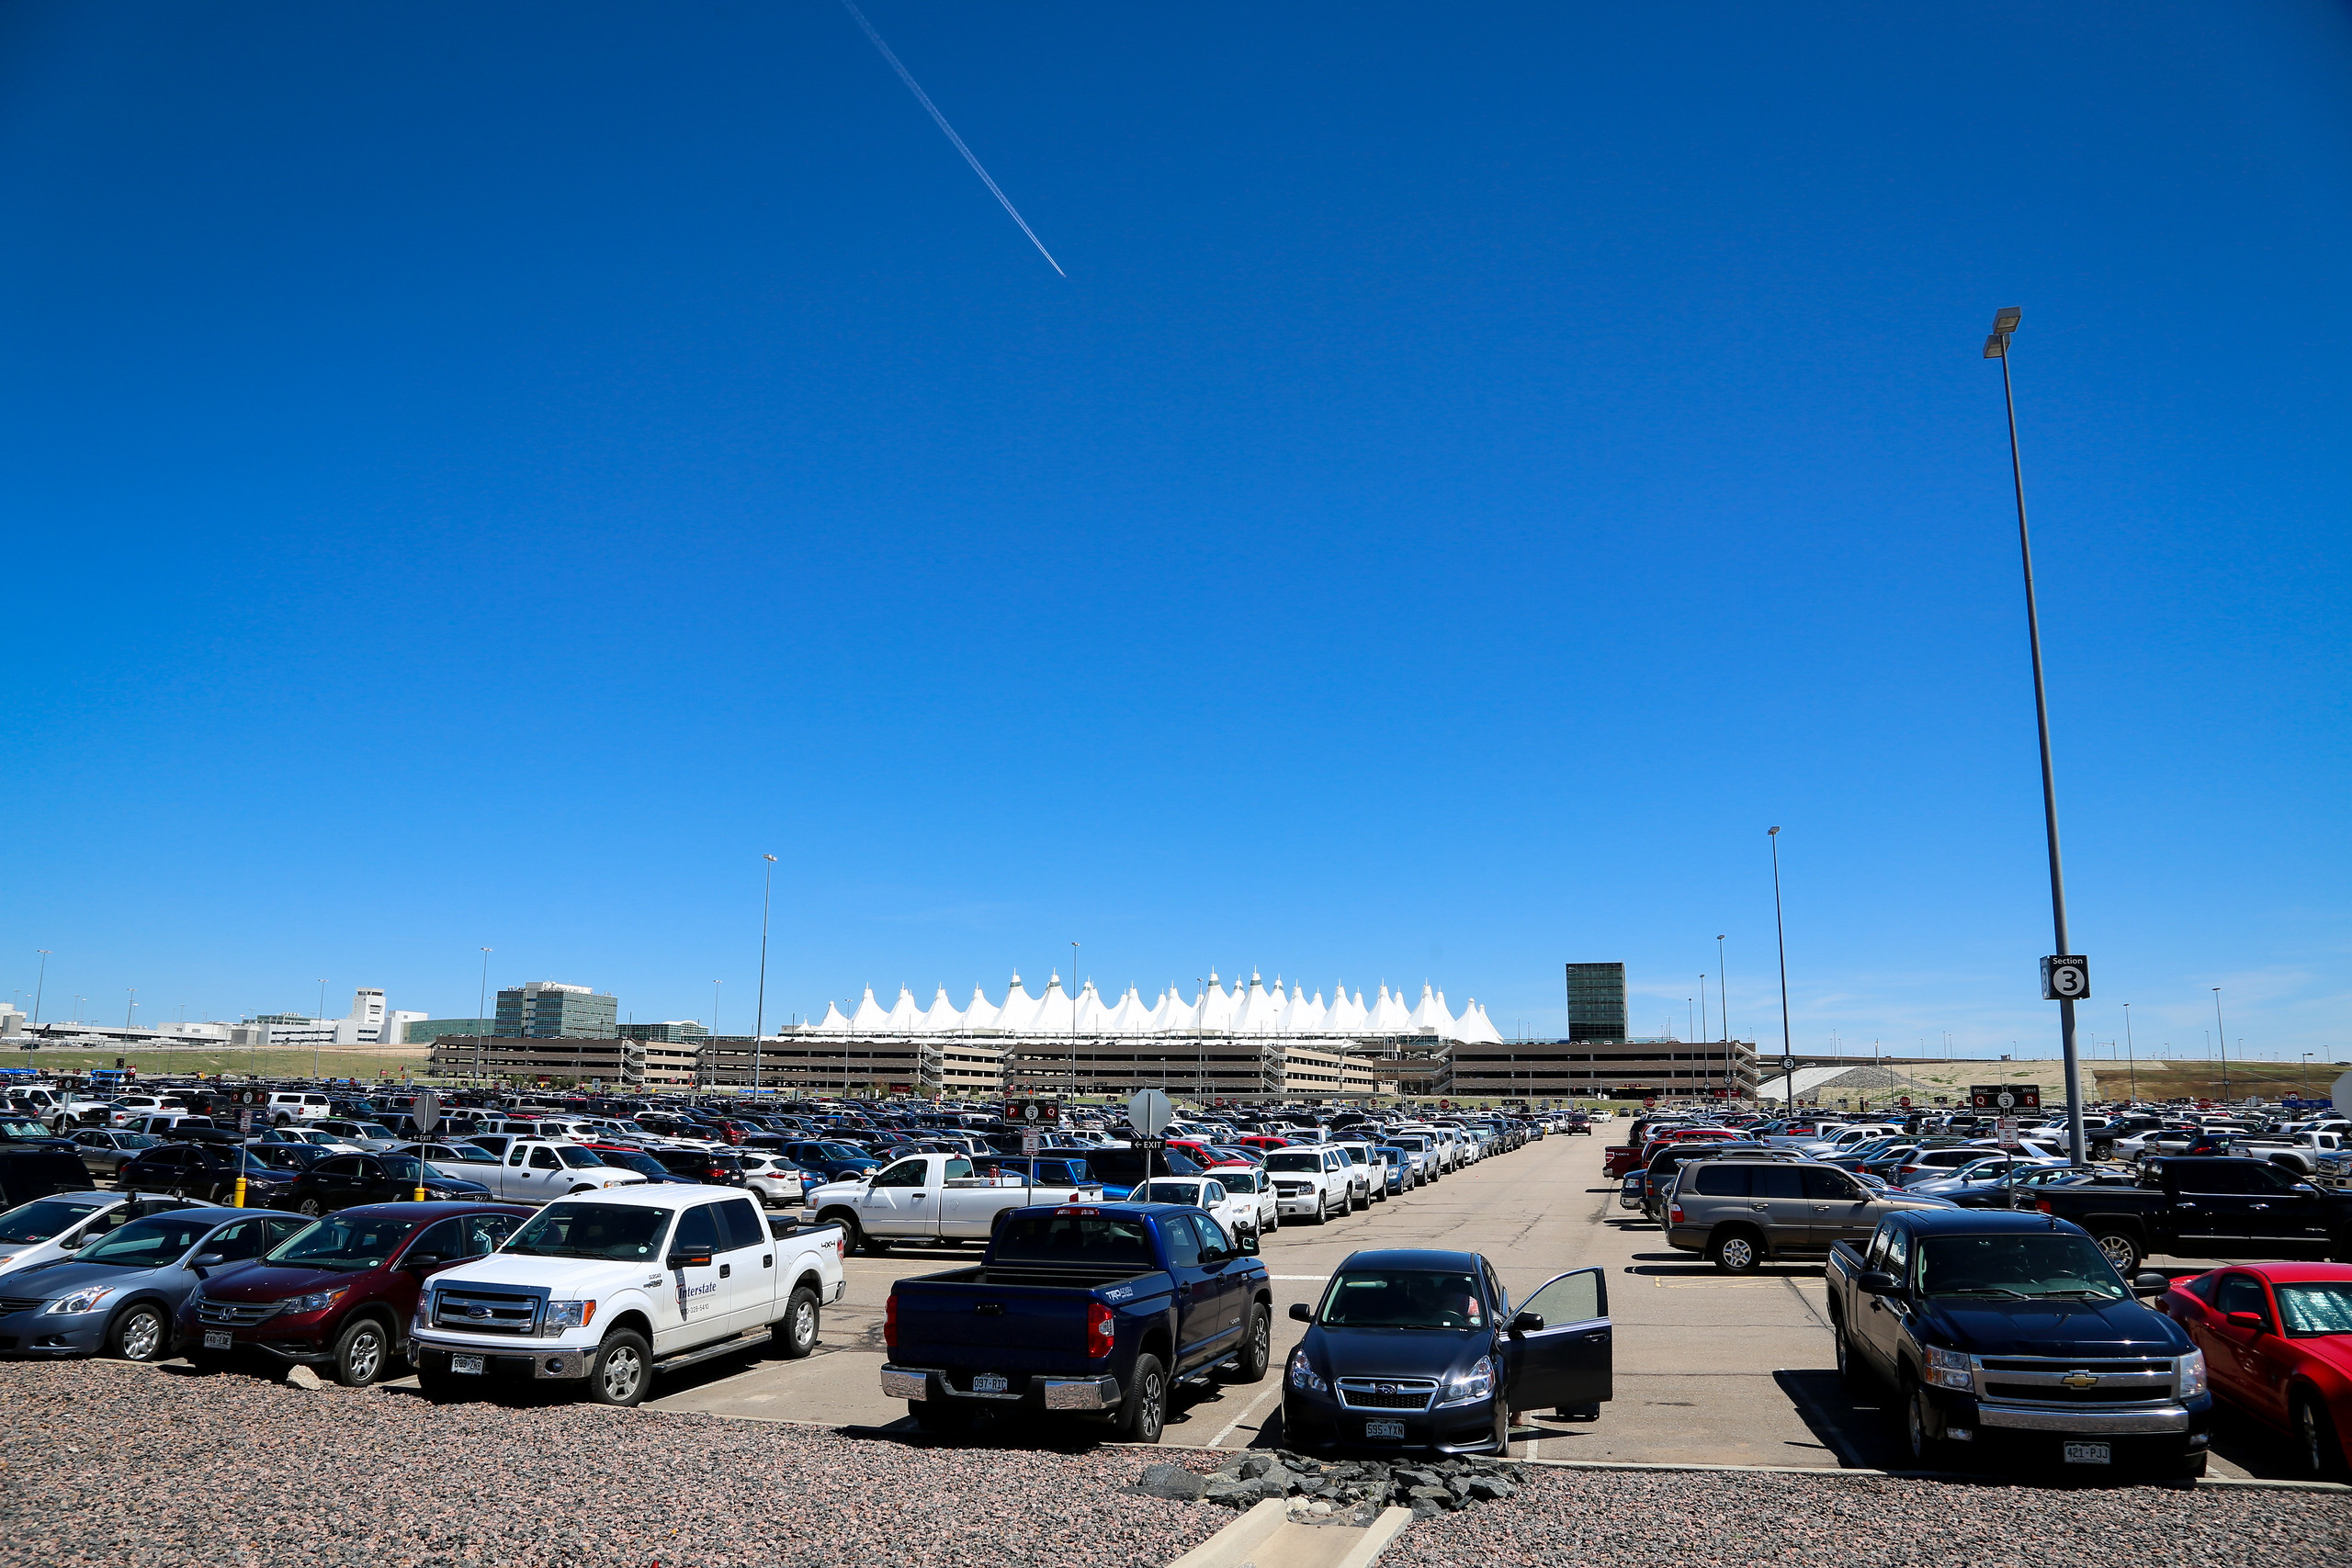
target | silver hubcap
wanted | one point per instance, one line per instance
(621, 1373)
(1738, 1254)
(1260, 1347)
(367, 1349)
(804, 1324)
(141, 1336)
(310, 1207)
(2118, 1250)
(1147, 1420)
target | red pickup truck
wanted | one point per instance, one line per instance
(1623, 1159)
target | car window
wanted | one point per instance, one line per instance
(1821, 1183)
(1572, 1298)
(544, 1159)
(2241, 1293)
(1775, 1181)
(698, 1231)
(1213, 1236)
(247, 1238)
(906, 1173)
(1183, 1244)
(150, 1241)
(740, 1223)
(450, 1238)
(1712, 1181)
(43, 1218)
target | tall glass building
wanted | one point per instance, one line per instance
(545, 1011)
(1595, 1001)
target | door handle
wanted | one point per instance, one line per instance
(2260, 1208)
(726, 1270)
(1596, 1336)
(767, 1259)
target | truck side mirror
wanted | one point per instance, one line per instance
(689, 1260)
(1302, 1312)
(2148, 1282)
(1879, 1282)
(1526, 1322)
(1248, 1244)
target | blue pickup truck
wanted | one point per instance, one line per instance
(1087, 1307)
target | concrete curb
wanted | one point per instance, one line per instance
(1376, 1537)
(1238, 1542)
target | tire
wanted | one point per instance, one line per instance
(795, 1333)
(309, 1206)
(622, 1370)
(939, 1415)
(1257, 1348)
(140, 1334)
(853, 1235)
(1924, 1452)
(1145, 1410)
(2121, 1248)
(2102, 1151)
(2318, 1451)
(1852, 1375)
(360, 1353)
(1736, 1249)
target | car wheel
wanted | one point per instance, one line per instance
(140, 1334)
(1851, 1376)
(1145, 1410)
(359, 1354)
(1322, 1209)
(939, 1415)
(1257, 1348)
(1925, 1452)
(2315, 1440)
(2122, 1251)
(1737, 1251)
(2102, 1151)
(622, 1369)
(310, 1206)
(796, 1333)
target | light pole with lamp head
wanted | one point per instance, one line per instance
(1073, 1021)
(1788, 1051)
(2222, 1043)
(760, 1009)
(42, 981)
(1996, 346)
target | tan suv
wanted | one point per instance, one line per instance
(1741, 1212)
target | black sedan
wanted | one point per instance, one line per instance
(206, 1171)
(347, 1180)
(1419, 1349)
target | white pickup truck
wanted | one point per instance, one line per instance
(926, 1198)
(612, 1287)
(536, 1171)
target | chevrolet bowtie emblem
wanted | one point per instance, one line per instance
(2079, 1380)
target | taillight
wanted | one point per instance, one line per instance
(1099, 1337)
(2044, 1206)
(890, 1325)
(1674, 1215)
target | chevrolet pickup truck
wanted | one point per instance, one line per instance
(2011, 1338)
(2208, 1206)
(612, 1287)
(1084, 1307)
(925, 1198)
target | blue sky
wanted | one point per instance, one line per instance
(483, 476)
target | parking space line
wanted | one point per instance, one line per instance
(1247, 1411)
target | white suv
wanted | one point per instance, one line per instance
(1312, 1181)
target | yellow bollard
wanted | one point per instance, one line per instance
(241, 1190)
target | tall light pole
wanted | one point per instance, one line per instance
(1996, 346)
(1073, 1021)
(1723, 1014)
(482, 1020)
(2131, 1058)
(1706, 1057)
(41, 982)
(2221, 1043)
(760, 1012)
(1788, 1052)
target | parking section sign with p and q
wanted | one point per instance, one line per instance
(2065, 978)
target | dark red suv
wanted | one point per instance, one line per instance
(339, 1293)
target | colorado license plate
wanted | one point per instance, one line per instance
(991, 1382)
(465, 1363)
(2089, 1453)
(219, 1340)
(1392, 1430)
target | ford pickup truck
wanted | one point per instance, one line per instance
(1086, 1307)
(2208, 1206)
(2011, 1338)
(924, 1198)
(609, 1288)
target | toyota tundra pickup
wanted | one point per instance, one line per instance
(2012, 1339)
(925, 1198)
(1085, 1308)
(612, 1287)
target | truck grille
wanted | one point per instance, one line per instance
(1387, 1393)
(234, 1314)
(479, 1309)
(2037, 1380)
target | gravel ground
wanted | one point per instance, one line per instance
(1603, 1519)
(105, 1462)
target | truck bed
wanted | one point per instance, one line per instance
(1050, 1276)
(1021, 1318)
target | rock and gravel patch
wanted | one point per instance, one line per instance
(103, 1462)
(1348, 1491)
(1644, 1519)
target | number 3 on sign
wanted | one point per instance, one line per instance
(2065, 978)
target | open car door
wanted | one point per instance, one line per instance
(1570, 1362)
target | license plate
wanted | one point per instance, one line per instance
(219, 1340)
(465, 1363)
(991, 1382)
(1392, 1430)
(2089, 1453)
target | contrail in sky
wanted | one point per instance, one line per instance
(924, 98)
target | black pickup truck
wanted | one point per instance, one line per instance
(1082, 1307)
(2207, 1206)
(2011, 1340)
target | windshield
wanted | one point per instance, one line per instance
(612, 1233)
(374, 1129)
(644, 1165)
(1108, 1241)
(2322, 1307)
(1170, 1192)
(148, 1243)
(577, 1157)
(464, 1153)
(1238, 1180)
(44, 1217)
(1284, 1160)
(2015, 1265)
(1403, 1298)
(346, 1243)
(23, 1127)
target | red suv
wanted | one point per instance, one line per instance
(339, 1293)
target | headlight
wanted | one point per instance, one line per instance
(81, 1301)
(2192, 1374)
(567, 1315)
(1303, 1375)
(1950, 1368)
(317, 1300)
(1466, 1387)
